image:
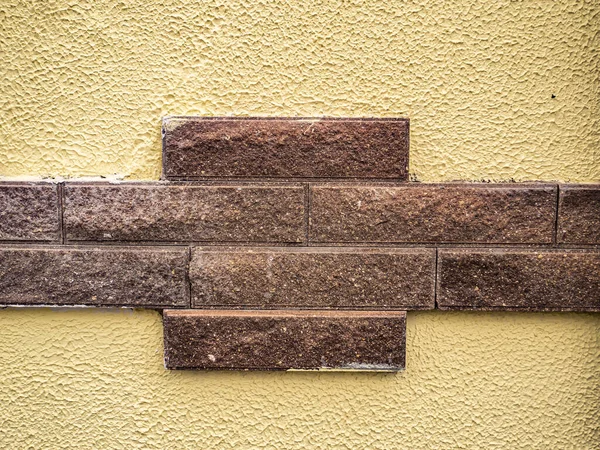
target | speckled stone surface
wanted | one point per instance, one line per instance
(420, 213)
(579, 215)
(28, 212)
(283, 340)
(109, 276)
(562, 280)
(313, 278)
(173, 213)
(285, 148)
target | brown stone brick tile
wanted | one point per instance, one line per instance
(561, 280)
(199, 147)
(283, 340)
(313, 278)
(107, 276)
(579, 215)
(158, 212)
(29, 212)
(434, 213)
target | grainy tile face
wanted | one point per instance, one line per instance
(313, 278)
(579, 215)
(108, 276)
(285, 148)
(280, 340)
(519, 279)
(28, 212)
(432, 214)
(181, 213)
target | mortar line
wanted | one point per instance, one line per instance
(307, 207)
(435, 281)
(188, 278)
(555, 231)
(61, 222)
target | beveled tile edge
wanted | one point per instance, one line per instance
(169, 312)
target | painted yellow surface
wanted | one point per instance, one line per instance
(86, 379)
(504, 89)
(495, 90)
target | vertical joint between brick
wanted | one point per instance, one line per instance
(555, 231)
(188, 280)
(307, 213)
(435, 279)
(61, 222)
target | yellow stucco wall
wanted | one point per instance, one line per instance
(95, 380)
(84, 85)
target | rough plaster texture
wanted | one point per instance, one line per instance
(84, 87)
(90, 379)
(504, 89)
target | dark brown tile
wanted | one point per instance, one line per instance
(579, 215)
(421, 213)
(562, 280)
(200, 147)
(94, 276)
(183, 213)
(283, 340)
(28, 212)
(313, 278)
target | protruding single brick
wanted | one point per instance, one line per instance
(313, 278)
(29, 212)
(107, 276)
(558, 280)
(283, 340)
(185, 212)
(436, 213)
(579, 215)
(205, 148)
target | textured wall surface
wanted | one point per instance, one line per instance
(90, 379)
(84, 87)
(495, 90)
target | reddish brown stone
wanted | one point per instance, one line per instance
(579, 215)
(313, 278)
(28, 212)
(561, 280)
(184, 213)
(417, 213)
(200, 147)
(112, 276)
(280, 340)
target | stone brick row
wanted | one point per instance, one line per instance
(311, 278)
(401, 279)
(276, 213)
(489, 279)
(351, 214)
